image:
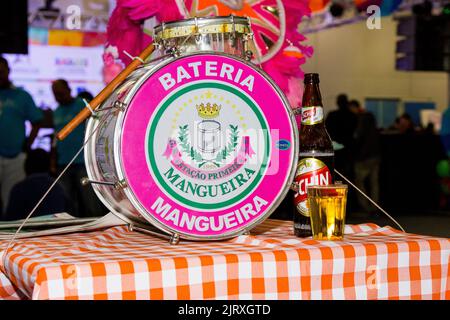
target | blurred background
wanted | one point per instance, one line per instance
(391, 58)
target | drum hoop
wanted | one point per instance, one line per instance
(121, 170)
(205, 25)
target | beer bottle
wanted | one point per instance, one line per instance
(316, 154)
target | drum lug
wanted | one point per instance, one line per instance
(174, 239)
(233, 34)
(248, 55)
(117, 185)
(119, 105)
(174, 52)
(85, 181)
(297, 111)
(121, 184)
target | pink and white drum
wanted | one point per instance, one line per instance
(201, 146)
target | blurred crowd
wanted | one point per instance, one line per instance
(357, 143)
(26, 174)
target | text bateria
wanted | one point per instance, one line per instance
(200, 145)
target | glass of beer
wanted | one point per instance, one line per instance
(327, 206)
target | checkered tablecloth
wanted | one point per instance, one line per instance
(371, 263)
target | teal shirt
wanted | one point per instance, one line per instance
(445, 130)
(16, 107)
(67, 148)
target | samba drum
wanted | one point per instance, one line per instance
(202, 146)
(229, 34)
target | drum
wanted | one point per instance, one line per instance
(201, 146)
(229, 34)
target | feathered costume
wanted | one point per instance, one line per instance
(282, 62)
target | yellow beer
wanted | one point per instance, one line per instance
(327, 206)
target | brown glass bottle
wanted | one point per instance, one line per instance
(316, 154)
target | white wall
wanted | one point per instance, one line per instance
(361, 62)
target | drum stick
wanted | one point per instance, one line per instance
(85, 113)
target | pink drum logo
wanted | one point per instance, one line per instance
(201, 165)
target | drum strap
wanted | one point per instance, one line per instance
(368, 198)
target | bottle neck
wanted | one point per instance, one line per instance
(312, 107)
(312, 96)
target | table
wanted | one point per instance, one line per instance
(271, 263)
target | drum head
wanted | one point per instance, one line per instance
(208, 146)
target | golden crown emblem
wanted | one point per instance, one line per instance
(208, 111)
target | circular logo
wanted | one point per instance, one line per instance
(310, 171)
(200, 146)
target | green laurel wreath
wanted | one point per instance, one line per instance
(231, 146)
(183, 137)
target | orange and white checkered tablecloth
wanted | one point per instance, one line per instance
(371, 263)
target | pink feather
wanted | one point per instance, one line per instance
(125, 32)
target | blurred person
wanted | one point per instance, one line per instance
(16, 107)
(405, 125)
(26, 194)
(86, 95)
(84, 201)
(341, 124)
(445, 130)
(367, 154)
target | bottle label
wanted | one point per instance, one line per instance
(310, 171)
(312, 115)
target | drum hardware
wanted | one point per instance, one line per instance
(117, 185)
(133, 227)
(174, 239)
(297, 111)
(119, 105)
(248, 55)
(167, 54)
(196, 30)
(175, 52)
(164, 42)
(85, 181)
(233, 33)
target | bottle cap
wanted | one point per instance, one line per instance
(311, 78)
